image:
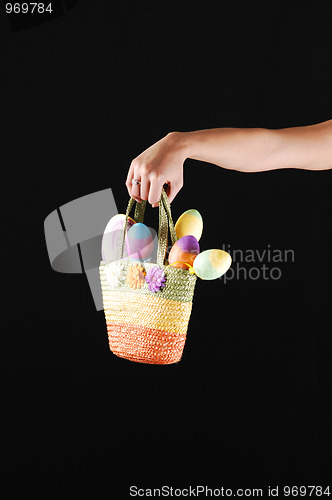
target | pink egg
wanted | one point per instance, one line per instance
(112, 235)
(184, 251)
(139, 242)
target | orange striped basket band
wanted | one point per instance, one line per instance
(145, 345)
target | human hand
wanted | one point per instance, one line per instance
(161, 163)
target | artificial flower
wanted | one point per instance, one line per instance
(115, 273)
(136, 276)
(155, 277)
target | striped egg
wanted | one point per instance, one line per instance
(139, 242)
(190, 222)
(184, 251)
(112, 235)
(211, 264)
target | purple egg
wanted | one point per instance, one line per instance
(183, 252)
(188, 244)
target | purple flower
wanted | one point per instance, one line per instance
(155, 277)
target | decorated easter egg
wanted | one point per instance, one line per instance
(184, 251)
(190, 222)
(139, 242)
(211, 264)
(112, 235)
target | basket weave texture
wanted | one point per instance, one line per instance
(142, 325)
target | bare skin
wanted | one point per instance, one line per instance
(242, 149)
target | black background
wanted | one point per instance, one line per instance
(81, 96)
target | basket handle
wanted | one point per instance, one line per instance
(139, 211)
(165, 224)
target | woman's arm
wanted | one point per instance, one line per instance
(258, 149)
(243, 149)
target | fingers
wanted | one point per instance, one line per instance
(150, 186)
(151, 183)
(151, 190)
(136, 191)
(133, 189)
(156, 186)
(145, 188)
(130, 177)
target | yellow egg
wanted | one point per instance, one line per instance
(212, 264)
(189, 223)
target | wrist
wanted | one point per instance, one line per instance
(181, 143)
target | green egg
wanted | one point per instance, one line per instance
(211, 264)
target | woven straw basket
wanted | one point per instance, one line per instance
(143, 325)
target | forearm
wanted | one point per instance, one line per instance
(259, 149)
(246, 149)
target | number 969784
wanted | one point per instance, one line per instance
(28, 8)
